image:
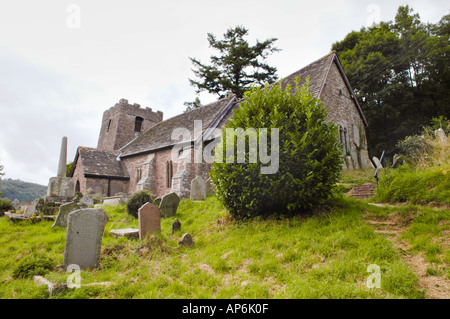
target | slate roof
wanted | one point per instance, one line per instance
(160, 135)
(97, 163)
(317, 71)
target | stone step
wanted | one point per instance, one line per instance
(363, 191)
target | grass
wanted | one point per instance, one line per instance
(323, 256)
(424, 179)
(350, 179)
(418, 186)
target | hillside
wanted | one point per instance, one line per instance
(23, 191)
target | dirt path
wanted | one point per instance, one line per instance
(436, 287)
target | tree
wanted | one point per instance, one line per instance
(308, 154)
(238, 66)
(399, 71)
(193, 105)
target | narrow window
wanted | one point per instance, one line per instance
(341, 136)
(169, 174)
(109, 125)
(138, 124)
(138, 174)
(345, 140)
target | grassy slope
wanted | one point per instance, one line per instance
(319, 257)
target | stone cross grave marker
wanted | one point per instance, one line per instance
(149, 218)
(198, 189)
(84, 237)
(169, 205)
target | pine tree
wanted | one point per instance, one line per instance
(237, 67)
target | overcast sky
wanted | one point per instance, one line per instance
(63, 63)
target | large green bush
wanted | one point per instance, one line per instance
(136, 201)
(310, 156)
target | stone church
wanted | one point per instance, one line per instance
(135, 146)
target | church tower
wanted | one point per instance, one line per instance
(123, 122)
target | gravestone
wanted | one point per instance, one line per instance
(396, 161)
(30, 210)
(87, 200)
(84, 237)
(377, 162)
(176, 225)
(16, 204)
(149, 218)
(186, 240)
(113, 201)
(198, 189)
(169, 205)
(440, 135)
(64, 210)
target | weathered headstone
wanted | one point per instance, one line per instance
(84, 237)
(87, 200)
(186, 240)
(149, 218)
(377, 162)
(169, 205)
(16, 204)
(114, 201)
(440, 135)
(198, 189)
(30, 210)
(176, 225)
(396, 161)
(64, 211)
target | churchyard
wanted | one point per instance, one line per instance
(347, 249)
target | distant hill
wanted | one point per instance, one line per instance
(23, 191)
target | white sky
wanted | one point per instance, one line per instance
(58, 73)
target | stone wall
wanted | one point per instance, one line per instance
(154, 172)
(343, 111)
(118, 124)
(78, 176)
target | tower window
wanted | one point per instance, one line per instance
(138, 124)
(109, 125)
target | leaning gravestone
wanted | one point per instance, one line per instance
(169, 205)
(84, 237)
(377, 162)
(64, 210)
(198, 189)
(186, 240)
(149, 218)
(396, 161)
(87, 200)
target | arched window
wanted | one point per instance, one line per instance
(169, 174)
(138, 124)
